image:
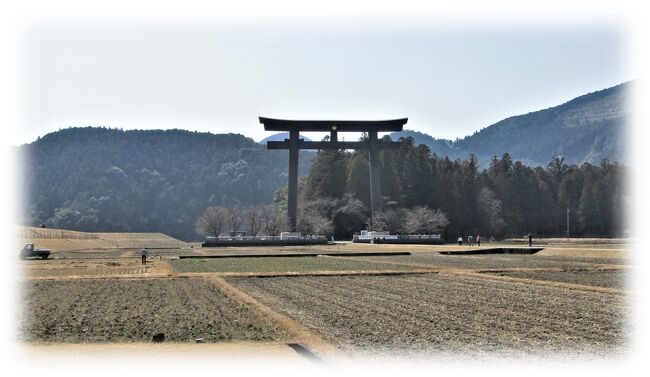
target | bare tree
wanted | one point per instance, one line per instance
(253, 216)
(423, 220)
(211, 222)
(274, 220)
(313, 222)
(234, 218)
(490, 209)
(391, 220)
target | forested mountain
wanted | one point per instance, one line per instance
(589, 128)
(112, 180)
(507, 198)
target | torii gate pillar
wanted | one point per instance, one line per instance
(375, 173)
(292, 195)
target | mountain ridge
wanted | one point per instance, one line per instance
(592, 126)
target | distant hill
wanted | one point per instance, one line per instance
(280, 137)
(586, 129)
(99, 179)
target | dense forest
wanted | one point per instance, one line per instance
(99, 179)
(507, 198)
(588, 128)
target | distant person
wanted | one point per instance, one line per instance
(144, 254)
(460, 240)
(469, 240)
(478, 240)
(42, 225)
(530, 240)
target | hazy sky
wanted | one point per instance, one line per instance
(449, 80)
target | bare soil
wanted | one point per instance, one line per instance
(564, 299)
(115, 310)
(599, 278)
(424, 314)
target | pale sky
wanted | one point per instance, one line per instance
(449, 80)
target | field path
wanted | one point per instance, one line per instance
(298, 332)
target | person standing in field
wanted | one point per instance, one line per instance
(469, 240)
(144, 254)
(530, 240)
(478, 240)
(460, 240)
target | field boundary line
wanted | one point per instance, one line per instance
(297, 331)
(548, 283)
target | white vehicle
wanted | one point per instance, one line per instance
(30, 251)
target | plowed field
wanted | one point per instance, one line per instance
(609, 278)
(134, 310)
(423, 314)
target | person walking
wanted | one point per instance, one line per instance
(460, 240)
(478, 240)
(144, 254)
(469, 240)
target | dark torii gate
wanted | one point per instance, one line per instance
(294, 144)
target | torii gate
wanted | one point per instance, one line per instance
(294, 144)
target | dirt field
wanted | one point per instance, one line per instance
(134, 310)
(607, 278)
(442, 314)
(565, 299)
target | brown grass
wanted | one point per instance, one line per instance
(59, 240)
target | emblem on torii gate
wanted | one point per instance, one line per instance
(294, 144)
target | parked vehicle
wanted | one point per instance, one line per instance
(30, 251)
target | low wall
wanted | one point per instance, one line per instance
(265, 242)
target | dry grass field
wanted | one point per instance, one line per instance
(567, 299)
(61, 240)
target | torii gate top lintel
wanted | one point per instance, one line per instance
(271, 124)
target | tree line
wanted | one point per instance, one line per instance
(507, 198)
(99, 179)
(313, 219)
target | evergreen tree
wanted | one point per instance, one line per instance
(328, 175)
(358, 181)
